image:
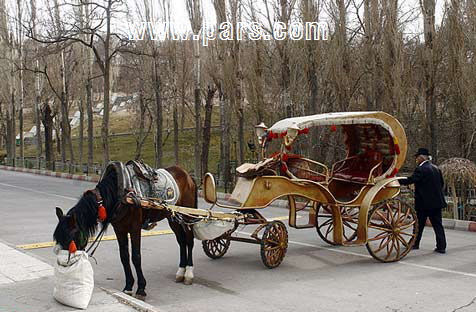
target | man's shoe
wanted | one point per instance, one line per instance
(441, 251)
(415, 247)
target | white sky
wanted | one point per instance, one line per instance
(179, 13)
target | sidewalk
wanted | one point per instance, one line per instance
(26, 285)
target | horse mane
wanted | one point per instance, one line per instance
(85, 211)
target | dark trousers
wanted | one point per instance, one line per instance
(436, 222)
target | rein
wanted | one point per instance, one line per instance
(96, 242)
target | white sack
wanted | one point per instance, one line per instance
(211, 229)
(74, 280)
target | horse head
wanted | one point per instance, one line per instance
(68, 234)
(81, 222)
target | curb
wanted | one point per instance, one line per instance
(135, 303)
(63, 175)
(459, 225)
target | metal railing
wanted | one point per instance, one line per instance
(67, 167)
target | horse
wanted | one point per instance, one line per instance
(104, 205)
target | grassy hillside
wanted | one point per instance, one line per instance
(123, 144)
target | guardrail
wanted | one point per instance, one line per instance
(58, 166)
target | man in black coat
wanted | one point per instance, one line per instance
(429, 197)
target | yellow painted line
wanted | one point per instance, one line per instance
(113, 237)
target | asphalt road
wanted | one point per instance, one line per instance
(312, 277)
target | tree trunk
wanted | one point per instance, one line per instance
(48, 125)
(197, 101)
(12, 107)
(39, 141)
(369, 57)
(89, 109)
(81, 130)
(207, 128)
(107, 86)
(64, 111)
(158, 118)
(428, 10)
(20, 76)
(140, 140)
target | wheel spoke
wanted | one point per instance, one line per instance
(389, 251)
(379, 236)
(269, 248)
(406, 226)
(384, 219)
(327, 222)
(382, 245)
(400, 238)
(408, 234)
(377, 227)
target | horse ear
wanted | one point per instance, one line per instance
(59, 213)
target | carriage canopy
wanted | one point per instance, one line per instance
(366, 134)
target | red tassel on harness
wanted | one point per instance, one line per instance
(102, 213)
(72, 247)
(333, 128)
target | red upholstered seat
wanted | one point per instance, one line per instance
(342, 175)
(317, 178)
(357, 169)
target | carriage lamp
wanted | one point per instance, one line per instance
(291, 134)
(260, 131)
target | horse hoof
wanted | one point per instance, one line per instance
(128, 292)
(140, 294)
(140, 297)
(179, 279)
(188, 281)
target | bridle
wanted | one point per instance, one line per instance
(102, 215)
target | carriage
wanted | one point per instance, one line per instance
(356, 201)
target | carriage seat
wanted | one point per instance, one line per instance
(359, 168)
(301, 169)
(261, 168)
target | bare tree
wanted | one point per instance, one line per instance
(194, 9)
(428, 10)
(39, 141)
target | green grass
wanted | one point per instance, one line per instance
(123, 148)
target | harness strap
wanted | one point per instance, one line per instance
(102, 213)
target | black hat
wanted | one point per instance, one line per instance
(422, 151)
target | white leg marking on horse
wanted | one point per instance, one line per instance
(179, 276)
(188, 278)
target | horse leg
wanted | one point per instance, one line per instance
(188, 278)
(136, 260)
(180, 236)
(123, 242)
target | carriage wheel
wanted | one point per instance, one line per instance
(392, 230)
(216, 248)
(274, 244)
(325, 224)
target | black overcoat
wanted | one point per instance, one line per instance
(429, 186)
